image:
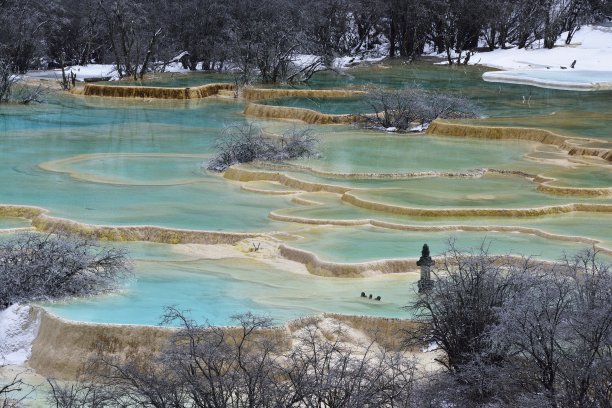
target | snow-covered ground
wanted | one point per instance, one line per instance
(82, 72)
(17, 332)
(95, 71)
(591, 48)
(568, 79)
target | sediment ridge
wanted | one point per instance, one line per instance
(252, 94)
(392, 176)
(62, 347)
(475, 212)
(318, 267)
(236, 173)
(444, 128)
(154, 92)
(45, 223)
(575, 191)
(439, 228)
(274, 174)
(305, 115)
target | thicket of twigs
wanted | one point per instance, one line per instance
(404, 109)
(51, 266)
(12, 91)
(248, 143)
(520, 333)
(251, 366)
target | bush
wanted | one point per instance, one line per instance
(21, 94)
(245, 144)
(403, 109)
(250, 366)
(41, 267)
(520, 332)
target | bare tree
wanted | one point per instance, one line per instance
(402, 109)
(327, 372)
(265, 37)
(250, 365)
(245, 144)
(39, 267)
(7, 80)
(519, 332)
(22, 24)
(12, 91)
(560, 329)
(132, 36)
(10, 386)
(79, 394)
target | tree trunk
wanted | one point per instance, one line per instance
(392, 38)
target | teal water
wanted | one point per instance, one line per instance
(587, 176)
(214, 290)
(134, 190)
(335, 106)
(591, 112)
(587, 225)
(490, 191)
(178, 80)
(361, 244)
(13, 222)
(135, 162)
(371, 151)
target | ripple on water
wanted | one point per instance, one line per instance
(216, 289)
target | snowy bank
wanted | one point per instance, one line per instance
(17, 332)
(567, 79)
(591, 48)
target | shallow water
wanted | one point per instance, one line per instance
(13, 222)
(335, 106)
(361, 244)
(214, 290)
(119, 161)
(369, 151)
(177, 80)
(490, 191)
(590, 113)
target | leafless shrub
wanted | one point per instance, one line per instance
(9, 387)
(245, 144)
(251, 365)
(403, 109)
(7, 80)
(520, 332)
(38, 267)
(560, 329)
(9, 92)
(26, 95)
(78, 394)
(325, 372)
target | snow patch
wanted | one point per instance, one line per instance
(349, 61)
(591, 48)
(569, 79)
(17, 332)
(419, 128)
(433, 346)
(305, 60)
(81, 72)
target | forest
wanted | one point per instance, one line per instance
(261, 39)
